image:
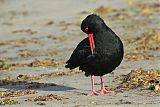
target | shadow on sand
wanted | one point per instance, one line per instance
(24, 85)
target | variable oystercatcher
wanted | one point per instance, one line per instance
(98, 54)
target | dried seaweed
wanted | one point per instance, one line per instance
(15, 93)
(49, 97)
(144, 5)
(25, 53)
(4, 66)
(50, 22)
(24, 30)
(8, 102)
(35, 63)
(147, 41)
(21, 41)
(140, 78)
(45, 62)
(103, 10)
(11, 82)
(136, 55)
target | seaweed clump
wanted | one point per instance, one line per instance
(49, 97)
(141, 78)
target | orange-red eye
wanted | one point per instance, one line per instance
(86, 29)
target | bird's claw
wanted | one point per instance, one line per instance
(104, 91)
(94, 93)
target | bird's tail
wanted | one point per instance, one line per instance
(70, 66)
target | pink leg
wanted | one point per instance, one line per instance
(93, 89)
(103, 90)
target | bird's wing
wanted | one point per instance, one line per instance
(78, 56)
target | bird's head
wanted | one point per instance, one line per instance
(91, 24)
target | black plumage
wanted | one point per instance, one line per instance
(109, 49)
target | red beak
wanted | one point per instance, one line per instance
(91, 41)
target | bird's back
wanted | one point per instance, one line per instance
(110, 54)
(108, 46)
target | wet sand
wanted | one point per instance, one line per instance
(36, 38)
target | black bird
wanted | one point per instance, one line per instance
(98, 54)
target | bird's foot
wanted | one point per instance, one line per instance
(94, 93)
(104, 91)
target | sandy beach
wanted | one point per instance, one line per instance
(37, 38)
